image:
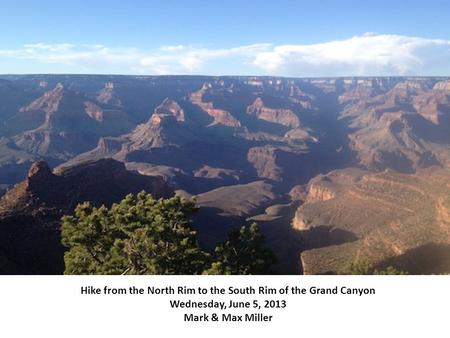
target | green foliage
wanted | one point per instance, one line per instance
(390, 270)
(141, 235)
(243, 253)
(363, 268)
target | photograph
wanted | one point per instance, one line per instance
(224, 138)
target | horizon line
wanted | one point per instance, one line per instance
(229, 76)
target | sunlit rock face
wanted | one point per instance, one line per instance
(380, 219)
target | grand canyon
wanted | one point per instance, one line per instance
(334, 170)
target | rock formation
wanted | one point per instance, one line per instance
(220, 116)
(282, 116)
(30, 212)
(378, 219)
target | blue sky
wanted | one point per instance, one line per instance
(289, 38)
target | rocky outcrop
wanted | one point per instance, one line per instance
(239, 200)
(30, 212)
(220, 116)
(217, 173)
(166, 127)
(106, 95)
(299, 134)
(376, 218)
(319, 192)
(404, 129)
(39, 176)
(264, 160)
(109, 146)
(93, 111)
(49, 102)
(285, 117)
(298, 193)
(434, 106)
(170, 107)
(72, 124)
(57, 145)
(442, 85)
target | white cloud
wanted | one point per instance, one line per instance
(369, 54)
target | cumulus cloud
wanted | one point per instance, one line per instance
(368, 54)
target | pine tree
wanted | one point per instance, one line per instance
(243, 253)
(364, 268)
(139, 235)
